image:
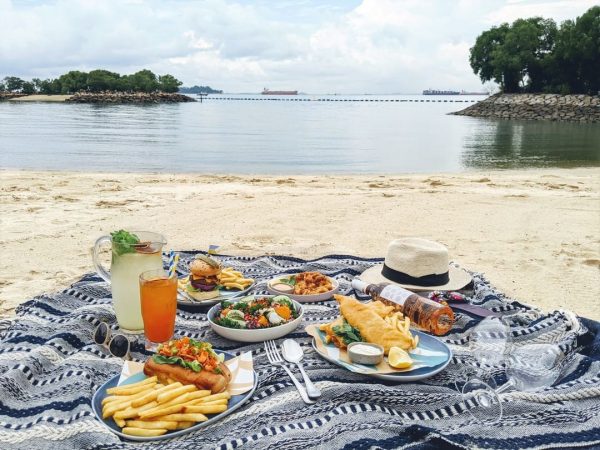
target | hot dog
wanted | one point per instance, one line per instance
(189, 362)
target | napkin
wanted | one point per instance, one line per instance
(422, 356)
(241, 367)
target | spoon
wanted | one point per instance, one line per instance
(292, 352)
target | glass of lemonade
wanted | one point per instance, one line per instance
(132, 253)
(158, 297)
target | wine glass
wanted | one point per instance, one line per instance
(528, 368)
(489, 342)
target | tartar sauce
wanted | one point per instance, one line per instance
(366, 350)
(282, 287)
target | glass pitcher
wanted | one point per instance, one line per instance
(128, 262)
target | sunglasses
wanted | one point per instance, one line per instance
(118, 344)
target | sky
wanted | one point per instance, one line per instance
(314, 46)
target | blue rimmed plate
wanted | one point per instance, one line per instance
(432, 357)
(235, 402)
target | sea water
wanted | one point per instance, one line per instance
(316, 134)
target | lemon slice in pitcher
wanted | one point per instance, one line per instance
(399, 359)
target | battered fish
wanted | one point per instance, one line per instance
(371, 325)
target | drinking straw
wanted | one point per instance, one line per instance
(173, 260)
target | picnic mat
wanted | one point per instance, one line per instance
(50, 369)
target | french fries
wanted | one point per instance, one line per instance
(173, 393)
(156, 424)
(204, 409)
(149, 408)
(233, 279)
(186, 417)
(402, 323)
(143, 432)
(126, 390)
(153, 394)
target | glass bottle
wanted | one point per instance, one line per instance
(428, 315)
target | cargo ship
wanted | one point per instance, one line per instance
(268, 92)
(436, 92)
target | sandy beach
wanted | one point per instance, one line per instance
(534, 233)
(41, 98)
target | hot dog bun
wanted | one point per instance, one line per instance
(216, 382)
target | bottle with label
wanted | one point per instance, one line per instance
(426, 314)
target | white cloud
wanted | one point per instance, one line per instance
(240, 45)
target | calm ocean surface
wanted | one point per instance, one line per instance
(285, 137)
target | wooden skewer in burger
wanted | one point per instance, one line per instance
(204, 278)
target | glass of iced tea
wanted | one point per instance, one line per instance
(158, 299)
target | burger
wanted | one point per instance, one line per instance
(203, 281)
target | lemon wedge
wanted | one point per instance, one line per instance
(399, 359)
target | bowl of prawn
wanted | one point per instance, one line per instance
(307, 287)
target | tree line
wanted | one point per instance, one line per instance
(536, 55)
(199, 90)
(94, 81)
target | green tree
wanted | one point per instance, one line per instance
(55, 86)
(2, 86)
(28, 88)
(577, 54)
(535, 55)
(144, 81)
(168, 83)
(13, 84)
(515, 56)
(102, 80)
(484, 57)
(73, 81)
(44, 86)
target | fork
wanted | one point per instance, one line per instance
(275, 359)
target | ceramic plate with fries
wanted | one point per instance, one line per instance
(416, 356)
(233, 284)
(143, 409)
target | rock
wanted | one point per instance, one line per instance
(128, 97)
(573, 108)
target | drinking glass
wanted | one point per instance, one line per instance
(158, 298)
(488, 342)
(528, 367)
(128, 262)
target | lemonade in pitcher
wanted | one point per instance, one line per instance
(132, 254)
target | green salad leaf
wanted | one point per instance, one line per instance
(229, 323)
(347, 333)
(123, 242)
(290, 281)
(193, 365)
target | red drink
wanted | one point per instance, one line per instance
(158, 297)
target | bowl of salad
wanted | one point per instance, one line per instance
(255, 318)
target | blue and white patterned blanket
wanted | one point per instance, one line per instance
(50, 368)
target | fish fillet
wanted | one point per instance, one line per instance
(372, 327)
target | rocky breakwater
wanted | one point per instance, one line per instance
(128, 97)
(554, 107)
(5, 95)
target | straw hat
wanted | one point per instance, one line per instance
(419, 265)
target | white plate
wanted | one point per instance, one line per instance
(256, 335)
(305, 298)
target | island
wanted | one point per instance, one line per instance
(96, 86)
(545, 71)
(199, 90)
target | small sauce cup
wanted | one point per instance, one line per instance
(365, 353)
